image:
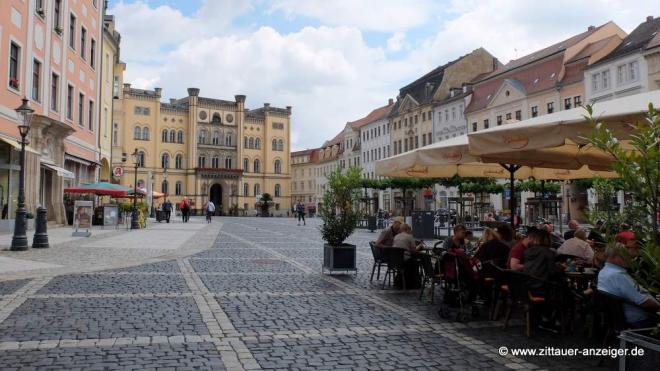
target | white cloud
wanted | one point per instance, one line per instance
(375, 15)
(396, 42)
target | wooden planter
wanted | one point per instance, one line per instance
(339, 259)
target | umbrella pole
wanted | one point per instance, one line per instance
(512, 202)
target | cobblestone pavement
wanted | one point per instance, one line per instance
(250, 297)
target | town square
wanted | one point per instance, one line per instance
(329, 185)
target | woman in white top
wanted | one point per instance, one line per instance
(405, 240)
(577, 246)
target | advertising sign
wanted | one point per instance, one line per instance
(110, 215)
(82, 218)
(118, 171)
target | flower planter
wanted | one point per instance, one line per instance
(339, 259)
(642, 340)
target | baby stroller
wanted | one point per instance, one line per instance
(458, 285)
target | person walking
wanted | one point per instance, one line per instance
(210, 210)
(300, 209)
(167, 210)
(185, 209)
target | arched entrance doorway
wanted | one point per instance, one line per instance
(215, 195)
(105, 170)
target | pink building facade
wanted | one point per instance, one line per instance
(50, 53)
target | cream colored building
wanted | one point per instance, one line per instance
(212, 149)
(109, 62)
(303, 179)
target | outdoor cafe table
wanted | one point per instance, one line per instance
(581, 280)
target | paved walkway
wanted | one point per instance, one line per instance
(251, 297)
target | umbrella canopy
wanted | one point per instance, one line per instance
(101, 189)
(154, 194)
(558, 140)
(453, 157)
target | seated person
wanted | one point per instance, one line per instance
(596, 234)
(457, 241)
(577, 246)
(517, 253)
(386, 237)
(493, 249)
(540, 258)
(613, 279)
(405, 240)
(572, 227)
(555, 237)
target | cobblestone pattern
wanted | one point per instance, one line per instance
(10, 287)
(85, 318)
(191, 356)
(233, 253)
(243, 266)
(159, 267)
(266, 282)
(129, 284)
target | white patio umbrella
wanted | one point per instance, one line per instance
(558, 140)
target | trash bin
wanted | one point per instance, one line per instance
(371, 223)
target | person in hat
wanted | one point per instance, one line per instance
(386, 237)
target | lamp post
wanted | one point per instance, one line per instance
(134, 217)
(19, 241)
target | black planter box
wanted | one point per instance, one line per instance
(339, 259)
(642, 340)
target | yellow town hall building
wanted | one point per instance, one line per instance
(204, 149)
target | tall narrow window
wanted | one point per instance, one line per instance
(278, 190)
(39, 7)
(246, 164)
(246, 189)
(36, 81)
(257, 143)
(54, 92)
(201, 162)
(81, 109)
(92, 53)
(551, 107)
(72, 31)
(115, 134)
(567, 103)
(215, 162)
(499, 120)
(172, 136)
(216, 138)
(257, 166)
(57, 16)
(90, 116)
(164, 186)
(141, 159)
(14, 65)
(178, 161)
(535, 111)
(105, 122)
(83, 42)
(228, 140)
(145, 133)
(228, 163)
(257, 189)
(179, 136)
(178, 188)
(278, 167)
(164, 136)
(165, 161)
(486, 124)
(137, 133)
(519, 115)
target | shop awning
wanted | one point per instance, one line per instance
(14, 143)
(64, 173)
(101, 189)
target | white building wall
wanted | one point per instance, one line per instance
(634, 78)
(449, 119)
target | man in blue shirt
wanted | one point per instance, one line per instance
(613, 279)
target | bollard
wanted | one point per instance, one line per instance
(40, 240)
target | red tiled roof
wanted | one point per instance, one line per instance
(373, 116)
(574, 72)
(588, 50)
(303, 152)
(532, 79)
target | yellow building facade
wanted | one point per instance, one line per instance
(204, 149)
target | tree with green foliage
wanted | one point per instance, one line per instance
(337, 210)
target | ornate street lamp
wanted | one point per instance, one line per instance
(134, 217)
(19, 241)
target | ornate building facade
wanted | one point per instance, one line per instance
(205, 149)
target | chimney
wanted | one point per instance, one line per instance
(288, 109)
(193, 92)
(239, 98)
(428, 87)
(591, 28)
(649, 18)
(158, 91)
(496, 63)
(266, 105)
(127, 86)
(390, 102)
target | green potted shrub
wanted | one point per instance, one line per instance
(264, 204)
(339, 217)
(640, 176)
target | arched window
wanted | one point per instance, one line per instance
(246, 164)
(257, 143)
(201, 162)
(165, 161)
(137, 133)
(274, 144)
(257, 166)
(228, 140)
(179, 136)
(278, 167)
(163, 186)
(172, 136)
(141, 159)
(257, 189)
(228, 163)
(145, 133)
(246, 143)
(178, 161)
(216, 138)
(202, 136)
(215, 162)
(278, 190)
(246, 189)
(216, 118)
(280, 145)
(251, 143)
(178, 188)
(164, 136)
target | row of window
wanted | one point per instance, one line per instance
(302, 185)
(375, 132)
(165, 161)
(215, 162)
(569, 102)
(257, 190)
(625, 73)
(454, 113)
(252, 143)
(376, 153)
(85, 107)
(178, 187)
(216, 139)
(408, 144)
(413, 120)
(171, 136)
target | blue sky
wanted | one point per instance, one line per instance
(334, 61)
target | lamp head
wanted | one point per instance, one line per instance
(24, 117)
(136, 157)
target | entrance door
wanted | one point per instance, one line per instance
(215, 195)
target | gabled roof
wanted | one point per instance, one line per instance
(373, 116)
(591, 48)
(303, 152)
(639, 39)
